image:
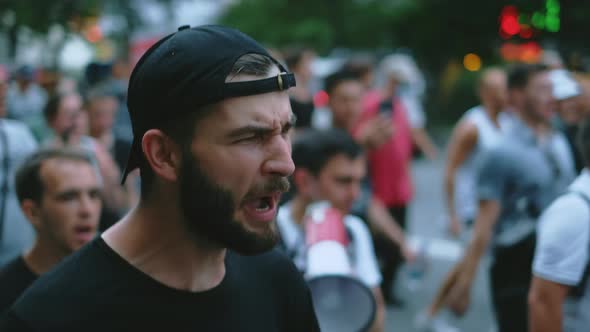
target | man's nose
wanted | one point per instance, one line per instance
(279, 162)
(88, 206)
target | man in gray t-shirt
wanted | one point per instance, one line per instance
(516, 180)
(559, 298)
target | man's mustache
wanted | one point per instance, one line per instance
(280, 184)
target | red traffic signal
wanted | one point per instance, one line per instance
(509, 25)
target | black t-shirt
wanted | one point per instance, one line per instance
(97, 290)
(15, 277)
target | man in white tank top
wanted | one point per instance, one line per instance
(477, 130)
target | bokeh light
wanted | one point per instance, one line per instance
(472, 62)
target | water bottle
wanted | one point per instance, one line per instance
(417, 269)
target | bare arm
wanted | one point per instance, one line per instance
(461, 145)
(458, 298)
(382, 222)
(424, 143)
(379, 321)
(545, 305)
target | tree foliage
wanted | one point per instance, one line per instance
(438, 32)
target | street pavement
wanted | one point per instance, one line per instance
(426, 215)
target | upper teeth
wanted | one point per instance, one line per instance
(263, 205)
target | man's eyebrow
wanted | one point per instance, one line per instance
(260, 129)
(250, 129)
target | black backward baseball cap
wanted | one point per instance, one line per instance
(187, 70)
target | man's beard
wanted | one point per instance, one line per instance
(209, 210)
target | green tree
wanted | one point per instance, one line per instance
(72, 15)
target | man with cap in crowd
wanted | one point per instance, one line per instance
(211, 121)
(26, 100)
(570, 113)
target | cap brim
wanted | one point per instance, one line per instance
(133, 160)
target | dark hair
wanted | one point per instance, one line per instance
(52, 106)
(313, 149)
(519, 75)
(54, 103)
(98, 92)
(333, 80)
(583, 141)
(360, 65)
(293, 55)
(181, 129)
(28, 178)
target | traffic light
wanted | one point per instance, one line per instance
(509, 25)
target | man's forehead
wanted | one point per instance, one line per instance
(59, 170)
(263, 108)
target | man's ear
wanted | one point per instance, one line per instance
(163, 155)
(32, 212)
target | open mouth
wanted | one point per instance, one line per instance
(85, 232)
(264, 204)
(262, 208)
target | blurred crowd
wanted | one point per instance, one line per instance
(42, 108)
(507, 160)
(512, 161)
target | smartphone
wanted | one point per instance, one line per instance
(386, 107)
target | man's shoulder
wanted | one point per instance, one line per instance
(66, 288)
(10, 267)
(272, 262)
(507, 154)
(13, 271)
(15, 277)
(568, 213)
(16, 127)
(272, 269)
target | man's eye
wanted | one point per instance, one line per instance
(286, 129)
(252, 138)
(67, 196)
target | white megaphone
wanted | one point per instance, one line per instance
(342, 303)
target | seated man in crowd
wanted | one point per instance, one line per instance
(59, 192)
(329, 165)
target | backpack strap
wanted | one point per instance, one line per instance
(578, 290)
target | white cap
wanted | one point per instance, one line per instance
(564, 86)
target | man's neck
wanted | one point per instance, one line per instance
(298, 207)
(153, 238)
(43, 256)
(539, 127)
